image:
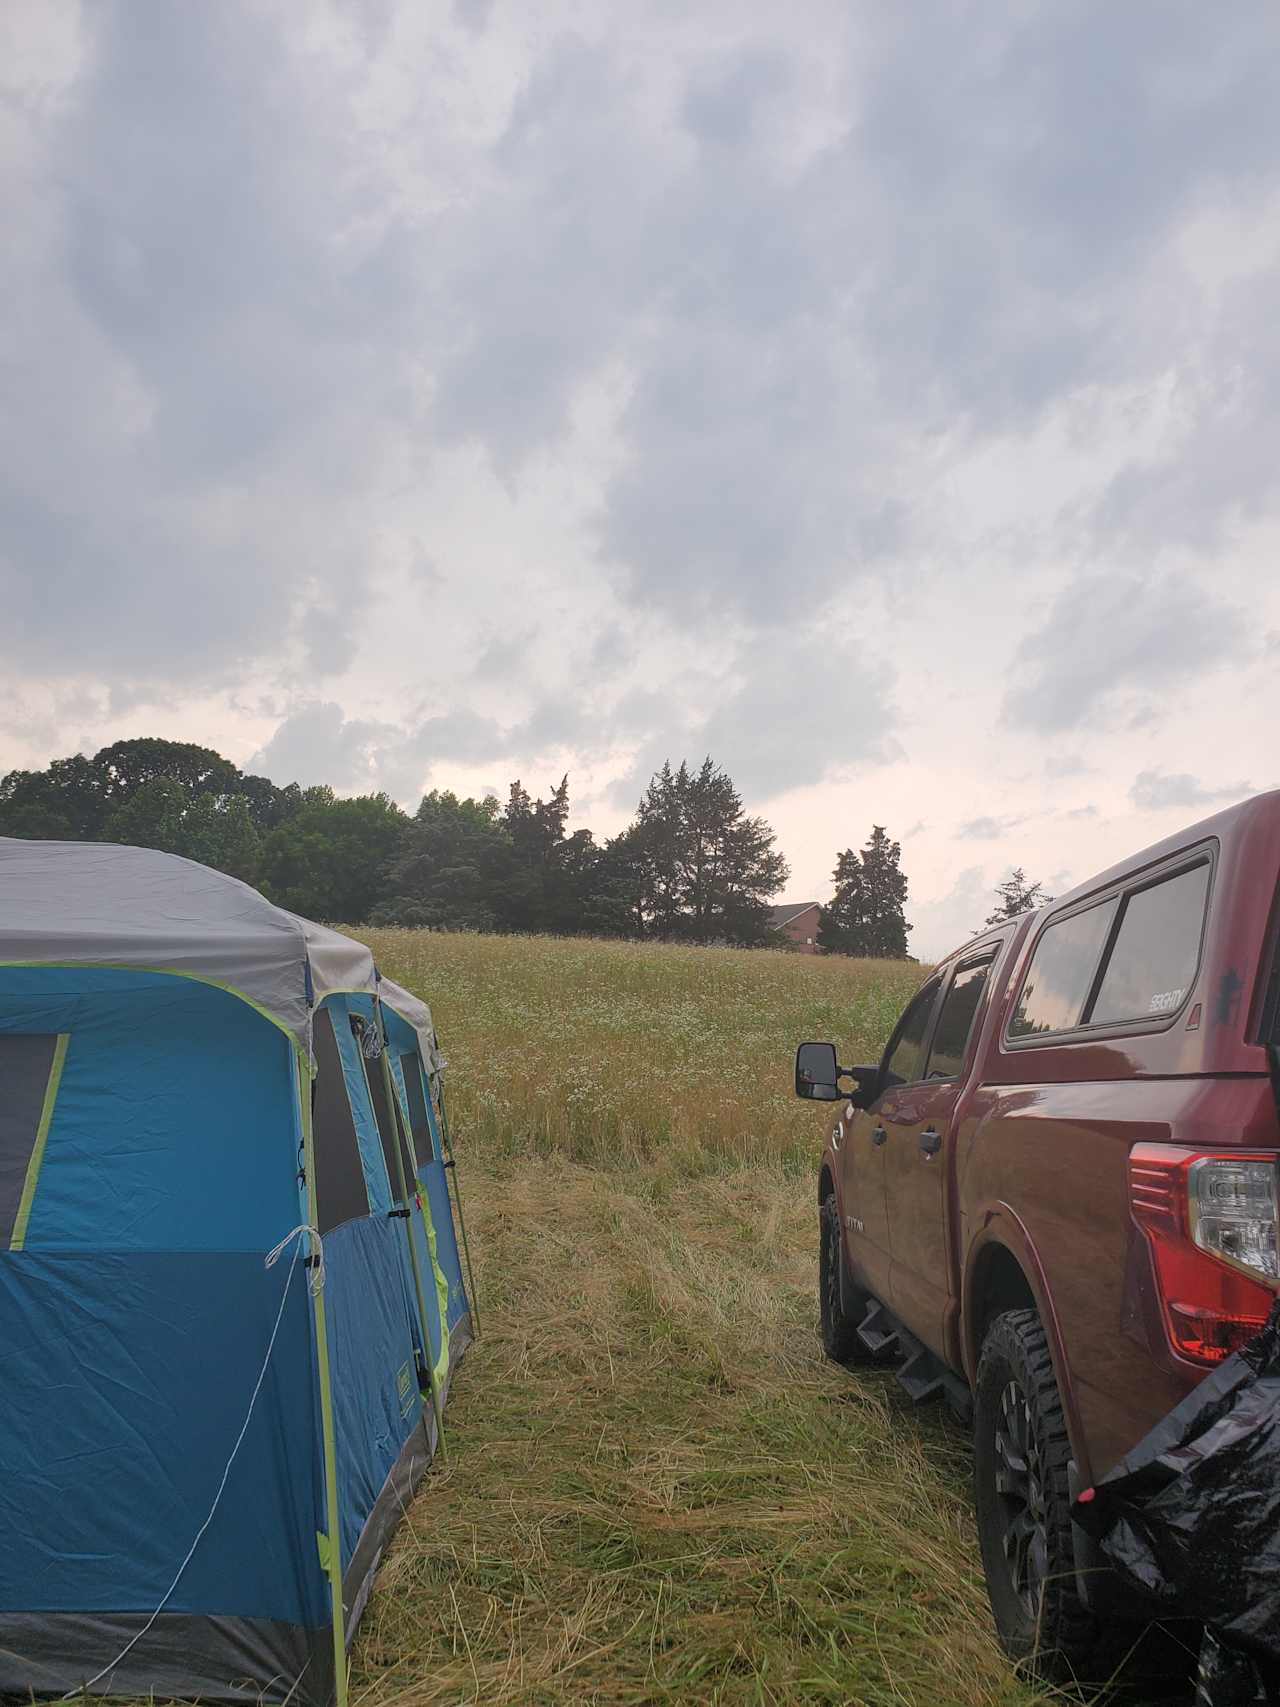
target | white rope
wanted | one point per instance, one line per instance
(317, 1256)
(272, 1258)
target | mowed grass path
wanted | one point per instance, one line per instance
(657, 1490)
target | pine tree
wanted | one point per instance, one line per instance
(886, 888)
(1016, 896)
(866, 914)
(699, 869)
(842, 924)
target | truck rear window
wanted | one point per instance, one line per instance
(1060, 976)
(1157, 947)
(1094, 968)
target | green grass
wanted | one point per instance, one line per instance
(657, 1490)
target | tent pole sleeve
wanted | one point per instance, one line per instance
(452, 1169)
(393, 1101)
(334, 1539)
(23, 1217)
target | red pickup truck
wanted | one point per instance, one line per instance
(1055, 1196)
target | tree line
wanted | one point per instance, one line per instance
(693, 866)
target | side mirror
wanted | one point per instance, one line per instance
(817, 1072)
(818, 1076)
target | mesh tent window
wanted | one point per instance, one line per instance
(340, 1188)
(378, 1097)
(419, 1119)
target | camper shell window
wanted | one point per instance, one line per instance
(340, 1187)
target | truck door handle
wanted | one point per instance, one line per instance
(930, 1142)
(878, 1136)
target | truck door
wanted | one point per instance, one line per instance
(863, 1147)
(918, 1155)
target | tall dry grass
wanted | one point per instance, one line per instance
(657, 1489)
(609, 1050)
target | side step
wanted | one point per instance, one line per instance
(920, 1372)
(878, 1331)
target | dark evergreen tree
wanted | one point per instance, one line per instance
(1016, 896)
(701, 870)
(886, 889)
(843, 922)
(866, 915)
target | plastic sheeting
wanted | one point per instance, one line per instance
(1192, 1518)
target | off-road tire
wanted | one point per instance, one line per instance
(1024, 1519)
(839, 1328)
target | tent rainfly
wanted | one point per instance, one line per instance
(230, 1295)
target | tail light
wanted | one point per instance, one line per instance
(1212, 1222)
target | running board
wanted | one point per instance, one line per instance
(921, 1372)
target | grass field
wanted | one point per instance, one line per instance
(657, 1490)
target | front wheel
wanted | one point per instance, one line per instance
(840, 1338)
(1021, 1457)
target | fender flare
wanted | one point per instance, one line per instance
(1002, 1227)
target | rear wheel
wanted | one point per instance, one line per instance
(1021, 1456)
(839, 1329)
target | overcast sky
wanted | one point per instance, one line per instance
(882, 398)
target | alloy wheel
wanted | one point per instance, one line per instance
(1019, 1482)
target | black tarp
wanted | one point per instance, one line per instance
(1192, 1518)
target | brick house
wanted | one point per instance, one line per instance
(797, 920)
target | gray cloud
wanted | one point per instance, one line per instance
(989, 829)
(942, 925)
(740, 299)
(1156, 791)
(191, 429)
(1111, 644)
(318, 743)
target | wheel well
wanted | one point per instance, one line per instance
(826, 1185)
(998, 1285)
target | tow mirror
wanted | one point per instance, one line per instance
(817, 1073)
(818, 1076)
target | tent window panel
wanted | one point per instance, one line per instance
(340, 1190)
(26, 1067)
(419, 1123)
(386, 1122)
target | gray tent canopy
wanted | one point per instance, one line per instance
(98, 904)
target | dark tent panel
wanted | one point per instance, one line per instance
(341, 1194)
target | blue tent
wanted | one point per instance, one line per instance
(231, 1302)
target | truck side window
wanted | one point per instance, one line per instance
(904, 1063)
(1153, 960)
(955, 1022)
(1060, 975)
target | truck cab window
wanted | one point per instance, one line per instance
(1153, 961)
(955, 1022)
(904, 1062)
(1060, 976)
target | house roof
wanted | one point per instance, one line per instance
(783, 915)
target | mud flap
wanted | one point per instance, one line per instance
(1191, 1518)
